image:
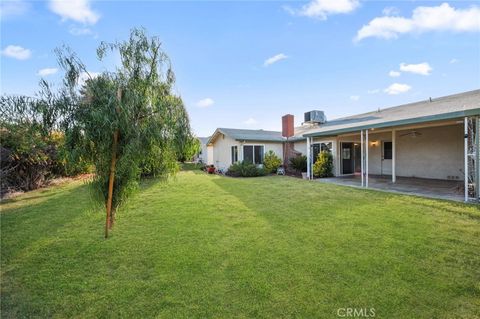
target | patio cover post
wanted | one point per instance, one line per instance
(362, 159)
(308, 157)
(394, 173)
(477, 158)
(366, 158)
(466, 156)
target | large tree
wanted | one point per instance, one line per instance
(127, 122)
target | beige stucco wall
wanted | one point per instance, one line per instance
(436, 154)
(300, 146)
(222, 151)
(210, 155)
(222, 147)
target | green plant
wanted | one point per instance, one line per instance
(299, 163)
(323, 167)
(245, 169)
(271, 162)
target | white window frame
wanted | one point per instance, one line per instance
(252, 144)
(231, 154)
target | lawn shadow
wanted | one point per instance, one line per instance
(24, 225)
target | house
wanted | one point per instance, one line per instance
(227, 146)
(201, 157)
(432, 140)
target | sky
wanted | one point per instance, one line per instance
(244, 64)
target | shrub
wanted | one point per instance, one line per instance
(245, 169)
(299, 163)
(271, 162)
(28, 158)
(323, 167)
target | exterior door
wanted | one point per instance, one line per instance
(347, 154)
(386, 158)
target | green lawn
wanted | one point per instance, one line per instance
(203, 246)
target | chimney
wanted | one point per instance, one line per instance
(287, 125)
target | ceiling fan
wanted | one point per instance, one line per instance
(412, 134)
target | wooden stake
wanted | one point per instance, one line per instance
(108, 221)
(110, 182)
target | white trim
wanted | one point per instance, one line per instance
(394, 156)
(231, 148)
(308, 157)
(366, 159)
(466, 156)
(361, 157)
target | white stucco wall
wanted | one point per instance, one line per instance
(437, 153)
(221, 150)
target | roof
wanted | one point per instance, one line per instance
(204, 140)
(443, 108)
(249, 135)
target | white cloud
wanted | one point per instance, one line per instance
(374, 91)
(17, 52)
(76, 10)
(250, 121)
(275, 59)
(421, 68)
(354, 97)
(394, 74)
(206, 102)
(47, 71)
(423, 19)
(453, 61)
(321, 9)
(13, 8)
(397, 88)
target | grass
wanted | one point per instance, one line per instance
(203, 246)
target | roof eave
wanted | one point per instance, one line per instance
(430, 118)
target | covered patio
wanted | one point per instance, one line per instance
(433, 188)
(428, 148)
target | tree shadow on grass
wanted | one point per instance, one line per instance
(23, 225)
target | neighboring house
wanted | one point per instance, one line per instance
(433, 139)
(202, 155)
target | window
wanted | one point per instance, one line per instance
(258, 154)
(387, 150)
(234, 154)
(320, 147)
(326, 146)
(253, 154)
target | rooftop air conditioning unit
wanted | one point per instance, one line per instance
(315, 117)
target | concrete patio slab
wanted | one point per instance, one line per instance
(432, 188)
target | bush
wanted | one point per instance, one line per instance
(28, 158)
(245, 169)
(299, 163)
(271, 162)
(323, 167)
